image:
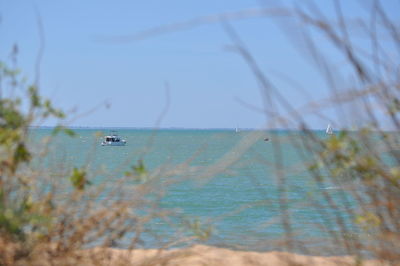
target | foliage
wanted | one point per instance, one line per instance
(25, 219)
(78, 179)
(363, 164)
(19, 213)
(40, 220)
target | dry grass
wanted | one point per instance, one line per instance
(361, 218)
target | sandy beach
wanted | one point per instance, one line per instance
(206, 255)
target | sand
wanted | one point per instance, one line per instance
(207, 255)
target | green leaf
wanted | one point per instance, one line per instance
(139, 171)
(34, 96)
(78, 179)
(66, 131)
(69, 132)
(21, 154)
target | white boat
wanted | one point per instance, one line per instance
(329, 129)
(237, 129)
(113, 140)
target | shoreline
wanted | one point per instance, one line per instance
(209, 255)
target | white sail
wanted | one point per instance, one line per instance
(329, 130)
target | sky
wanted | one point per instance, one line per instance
(186, 78)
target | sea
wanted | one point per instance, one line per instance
(247, 190)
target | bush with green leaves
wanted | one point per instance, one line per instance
(41, 220)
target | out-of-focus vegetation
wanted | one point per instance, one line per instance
(48, 216)
(363, 164)
(24, 219)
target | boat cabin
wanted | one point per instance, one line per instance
(113, 140)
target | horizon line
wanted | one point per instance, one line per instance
(168, 128)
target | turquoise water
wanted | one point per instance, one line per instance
(240, 202)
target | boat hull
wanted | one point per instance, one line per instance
(113, 143)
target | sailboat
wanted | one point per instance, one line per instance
(329, 130)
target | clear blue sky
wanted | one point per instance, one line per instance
(208, 82)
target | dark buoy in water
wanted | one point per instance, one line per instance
(266, 139)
